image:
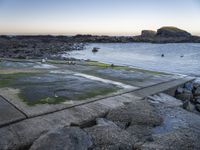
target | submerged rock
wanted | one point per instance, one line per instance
(66, 138)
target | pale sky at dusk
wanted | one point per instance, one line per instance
(110, 17)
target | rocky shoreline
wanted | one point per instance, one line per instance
(47, 46)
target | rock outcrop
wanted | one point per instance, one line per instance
(172, 32)
(148, 33)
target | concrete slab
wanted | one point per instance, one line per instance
(8, 113)
(131, 77)
(147, 91)
(42, 93)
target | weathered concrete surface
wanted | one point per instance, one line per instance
(161, 87)
(8, 113)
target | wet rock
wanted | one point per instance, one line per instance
(66, 138)
(187, 105)
(140, 112)
(110, 137)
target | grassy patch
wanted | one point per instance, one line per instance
(104, 65)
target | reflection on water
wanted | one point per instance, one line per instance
(181, 58)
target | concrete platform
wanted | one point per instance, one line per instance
(35, 91)
(8, 113)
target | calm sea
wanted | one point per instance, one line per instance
(181, 58)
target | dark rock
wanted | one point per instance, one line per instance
(183, 94)
(197, 100)
(137, 113)
(172, 32)
(197, 91)
(95, 49)
(66, 138)
(148, 33)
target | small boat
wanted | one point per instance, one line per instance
(95, 49)
(162, 55)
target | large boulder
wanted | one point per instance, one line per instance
(139, 112)
(148, 33)
(172, 32)
(107, 136)
(66, 138)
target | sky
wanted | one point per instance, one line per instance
(100, 17)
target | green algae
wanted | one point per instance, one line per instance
(104, 65)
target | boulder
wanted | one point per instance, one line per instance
(183, 94)
(148, 33)
(139, 112)
(172, 32)
(66, 138)
(110, 137)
